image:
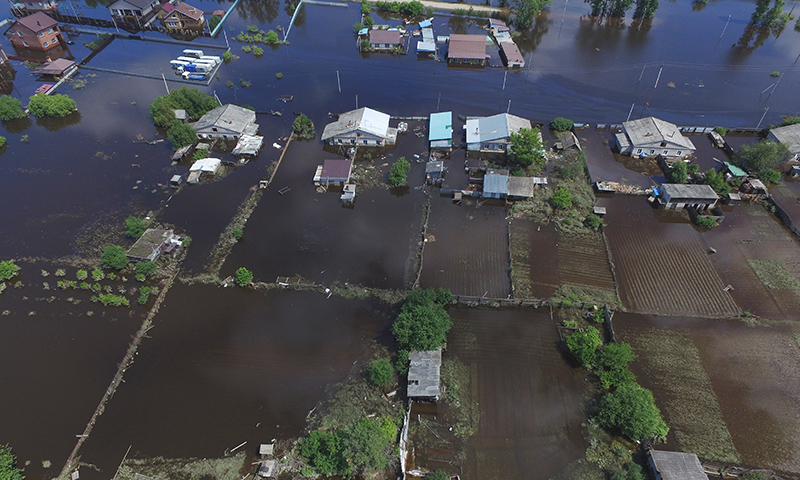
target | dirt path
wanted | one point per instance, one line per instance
(449, 7)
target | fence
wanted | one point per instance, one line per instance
(471, 301)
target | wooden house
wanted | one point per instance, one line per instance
(181, 16)
(467, 49)
(35, 32)
(133, 10)
(491, 134)
(650, 137)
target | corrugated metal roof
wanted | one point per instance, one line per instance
(652, 132)
(441, 126)
(424, 373)
(364, 119)
(684, 191)
(467, 47)
(230, 117)
(789, 136)
(391, 37)
(521, 187)
(207, 165)
(496, 183)
(425, 24)
(735, 171)
(336, 169)
(677, 465)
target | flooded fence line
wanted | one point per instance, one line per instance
(784, 216)
(123, 365)
(426, 215)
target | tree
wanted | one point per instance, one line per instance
(645, 8)
(323, 452)
(422, 327)
(593, 221)
(193, 101)
(583, 345)
(398, 175)
(438, 475)
(762, 155)
(146, 268)
(365, 444)
(562, 198)
(369, 21)
(615, 356)
(10, 108)
(214, 21)
(181, 134)
(632, 410)
(769, 175)
(8, 270)
(365, 8)
(381, 373)
(678, 172)
(8, 468)
(526, 147)
(271, 38)
(789, 121)
(616, 378)
(114, 257)
(135, 227)
(721, 130)
(526, 10)
(243, 277)
(716, 180)
(561, 124)
(57, 105)
(303, 127)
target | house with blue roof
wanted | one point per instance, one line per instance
(440, 130)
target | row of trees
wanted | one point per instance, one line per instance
(193, 101)
(40, 105)
(422, 324)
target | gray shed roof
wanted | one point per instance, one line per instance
(364, 119)
(699, 192)
(677, 465)
(789, 136)
(495, 182)
(496, 127)
(651, 131)
(424, 373)
(385, 36)
(520, 187)
(229, 117)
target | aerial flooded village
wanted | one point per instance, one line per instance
(524, 239)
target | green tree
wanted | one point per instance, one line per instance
(193, 101)
(762, 155)
(561, 124)
(789, 121)
(368, 21)
(243, 277)
(678, 172)
(10, 108)
(525, 11)
(526, 147)
(381, 373)
(8, 465)
(365, 445)
(615, 378)
(583, 345)
(214, 21)
(422, 327)
(135, 227)
(398, 175)
(438, 475)
(114, 257)
(716, 180)
(181, 134)
(271, 38)
(593, 221)
(303, 127)
(645, 8)
(562, 198)
(323, 452)
(357, 27)
(632, 410)
(615, 356)
(769, 175)
(721, 130)
(8, 270)
(57, 105)
(146, 268)
(365, 8)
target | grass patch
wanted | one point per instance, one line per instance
(774, 275)
(520, 248)
(368, 175)
(160, 468)
(575, 294)
(684, 392)
(461, 396)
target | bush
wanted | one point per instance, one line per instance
(81, 274)
(200, 154)
(593, 221)
(365, 8)
(303, 127)
(763, 155)
(258, 51)
(381, 373)
(323, 452)
(271, 38)
(632, 411)
(561, 124)
(98, 275)
(181, 134)
(243, 277)
(8, 464)
(706, 221)
(57, 105)
(678, 172)
(244, 83)
(146, 268)
(10, 108)
(562, 198)
(195, 102)
(721, 130)
(411, 9)
(368, 21)
(615, 356)
(213, 22)
(113, 300)
(8, 270)
(398, 175)
(526, 147)
(769, 175)
(716, 180)
(692, 168)
(135, 227)
(114, 257)
(237, 234)
(583, 345)
(357, 27)
(279, 75)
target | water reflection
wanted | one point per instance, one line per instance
(56, 124)
(261, 11)
(754, 36)
(531, 38)
(290, 7)
(18, 125)
(457, 24)
(599, 32)
(637, 32)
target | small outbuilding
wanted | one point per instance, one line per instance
(675, 466)
(385, 40)
(679, 195)
(467, 49)
(789, 136)
(424, 375)
(734, 171)
(440, 130)
(520, 188)
(57, 67)
(511, 55)
(151, 244)
(434, 172)
(204, 165)
(335, 171)
(248, 145)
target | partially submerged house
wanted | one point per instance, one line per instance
(181, 16)
(498, 184)
(434, 172)
(35, 32)
(467, 49)
(651, 136)
(440, 130)
(424, 375)
(334, 171)
(680, 195)
(427, 43)
(675, 466)
(248, 145)
(385, 40)
(511, 55)
(204, 165)
(789, 136)
(152, 243)
(133, 10)
(364, 127)
(491, 134)
(227, 122)
(568, 141)
(57, 68)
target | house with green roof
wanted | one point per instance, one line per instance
(440, 130)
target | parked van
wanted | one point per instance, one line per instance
(194, 68)
(178, 63)
(211, 57)
(193, 53)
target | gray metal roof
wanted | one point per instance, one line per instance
(385, 36)
(789, 136)
(677, 465)
(365, 119)
(680, 190)
(229, 117)
(434, 166)
(424, 373)
(496, 127)
(520, 187)
(652, 132)
(495, 183)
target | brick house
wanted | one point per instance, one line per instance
(35, 32)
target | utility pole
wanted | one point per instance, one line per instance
(762, 118)
(630, 112)
(776, 86)
(356, 101)
(509, 106)
(504, 80)
(725, 28)
(338, 82)
(438, 101)
(641, 74)
(165, 82)
(226, 38)
(658, 77)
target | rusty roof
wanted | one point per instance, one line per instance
(469, 47)
(189, 11)
(37, 22)
(385, 36)
(512, 53)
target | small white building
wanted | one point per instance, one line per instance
(789, 136)
(204, 165)
(650, 137)
(364, 127)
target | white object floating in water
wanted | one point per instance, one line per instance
(276, 145)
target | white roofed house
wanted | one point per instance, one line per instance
(491, 134)
(228, 122)
(679, 195)
(789, 136)
(363, 127)
(650, 137)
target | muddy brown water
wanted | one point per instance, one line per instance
(225, 366)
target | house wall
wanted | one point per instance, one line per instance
(44, 40)
(352, 139)
(655, 150)
(656, 475)
(126, 9)
(206, 134)
(176, 20)
(792, 157)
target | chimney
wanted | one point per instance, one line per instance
(38, 23)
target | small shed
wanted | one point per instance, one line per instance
(434, 172)
(180, 114)
(520, 187)
(248, 145)
(348, 195)
(675, 466)
(734, 170)
(175, 181)
(679, 195)
(599, 210)
(267, 469)
(495, 184)
(754, 185)
(336, 171)
(424, 374)
(150, 244)
(568, 141)
(511, 55)
(56, 68)
(205, 165)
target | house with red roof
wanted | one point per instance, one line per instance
(35, 32)
(181, 16)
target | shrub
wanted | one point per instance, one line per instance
(113, 257)
(526, 147)
(398, 174)
(357, 27)
(135, 227)
(82, 274)
(381, 373)
(243, 277)
(3, 140)
(763, 155)
(252, 28)
(769, 175)
(721, 130)
(423, 322)
(615, 356)
(140, 277)
(561, 124)
(716, 180)
(195, 102)
(365, 8)
(562, 198)
(692, 168)
(279, 75)
(57, 105)
(8, 270)
(200, 154)
(114, 300)
(303, 127)
(775, 74)
(95, 44)
(271, 38)
(258, 51)
(678, 172)
(438, 475)
(181, 134)
(237, 233)
(98, 274)
(227, 56)
(10, 108)
(616, 378)
(593, 221)
(583, 345)
(244, 83)
(212, 24)
(323, 452)
(632, 410)
(146, 268)
(706, 221)
(8, 464)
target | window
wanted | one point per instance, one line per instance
(44, 44)
(172, 24)
(638, 150)
(665, 152)
(213, 129)
(25, 43)
(679, 152)
(652, 152)
(19, 34)
(49, 30)
(366, 142)
(41, 34)
(54, 41)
